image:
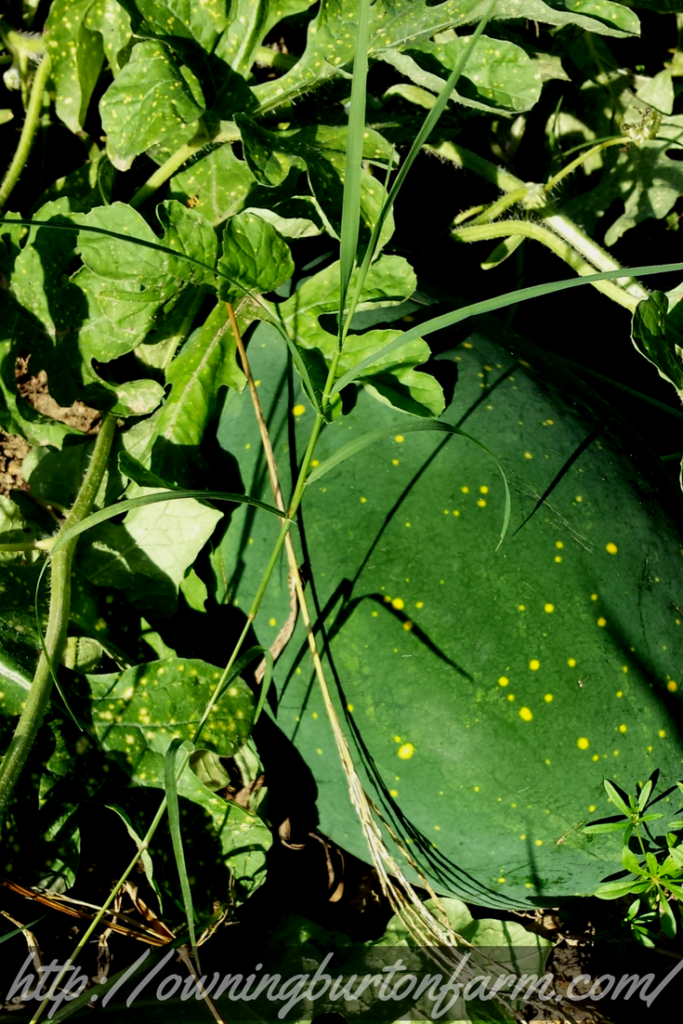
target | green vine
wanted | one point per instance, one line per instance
(58, 619)
(28, 132)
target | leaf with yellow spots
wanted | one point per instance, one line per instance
(136, 713)
(153, 101)
(397, 25)
(248, 26)
(77, 56)
(497, 74)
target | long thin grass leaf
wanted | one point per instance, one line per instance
(265, 685)
(150, 499)
(418, 142)
(566, 466)
(235, 670)
(497, 302)
(350, 224)
(357, 445)
(20, 929)
(171, 789)
(145, 243)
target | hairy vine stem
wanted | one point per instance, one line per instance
(28, 132)
(553, 219)
(528, 229)
(57, 623)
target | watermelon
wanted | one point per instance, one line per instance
(486, 689)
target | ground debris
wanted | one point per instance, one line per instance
(34, 389)
(13, 451)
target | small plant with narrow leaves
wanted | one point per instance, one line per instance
(655, 868)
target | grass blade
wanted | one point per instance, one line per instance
(357, 445)
(171, 789)
(350, 224)
(497, 302)
(418, 142)
(149, 499)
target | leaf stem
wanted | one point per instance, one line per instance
(228, 133)
(621, 140)
(28, 131)
(528, 229)
(57, 623)
(556, 221)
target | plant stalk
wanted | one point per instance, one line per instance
(528, 229)
(28, 131)
(557, 222)
(57, 623)
(228, 133)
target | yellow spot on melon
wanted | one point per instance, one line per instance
(525, 714)
(398, 603)
(548, 698)
(672, 686)
(571, 662)
(299, 410)
(534, 664)
(549, 608)
(611, 548)
(503, 681)
(582, 743)
(406, 751)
